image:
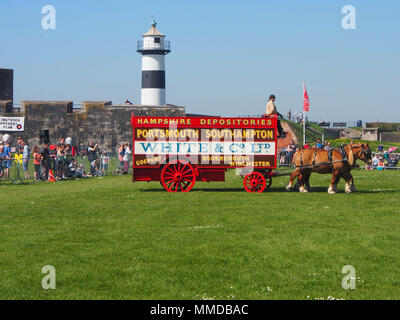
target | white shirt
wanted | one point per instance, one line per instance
(128, 152)
(68, 141)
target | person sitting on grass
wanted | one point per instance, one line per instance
(375, 161)
(328, 146)
(73, 170)
(94, 168)
(381, 164)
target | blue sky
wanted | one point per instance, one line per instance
(227, 56)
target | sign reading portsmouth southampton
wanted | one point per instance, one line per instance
(12, 123)
(179, 151)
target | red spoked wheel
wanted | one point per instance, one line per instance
(178, 176)
(254, 182)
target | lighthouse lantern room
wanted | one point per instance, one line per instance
(153, 47)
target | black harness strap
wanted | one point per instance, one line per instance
(301, 158)
(344, 154)
(315, 156)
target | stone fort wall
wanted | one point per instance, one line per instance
(100, 121)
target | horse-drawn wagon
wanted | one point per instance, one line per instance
(178, 151)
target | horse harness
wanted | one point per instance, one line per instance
(330, 162)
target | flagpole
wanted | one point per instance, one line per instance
(304, 118)
(304, 127)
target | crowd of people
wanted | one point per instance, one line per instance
(383, 158)
(58, 161)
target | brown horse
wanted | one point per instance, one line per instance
(337, 161)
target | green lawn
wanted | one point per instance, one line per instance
(111, 239)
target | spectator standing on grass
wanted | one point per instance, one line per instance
(2, 161)
(92, 155)
(36, 163)
(105, 160)
(126, 158)
(59, 163)
(47, 157)
(121, 152)
(25, 158)
(8, 157)
(380, 148)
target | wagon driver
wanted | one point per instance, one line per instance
(271, 109)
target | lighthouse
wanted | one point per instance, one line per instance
(153, 47)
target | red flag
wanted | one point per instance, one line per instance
(306, 101)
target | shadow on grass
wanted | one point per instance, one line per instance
(272, 190)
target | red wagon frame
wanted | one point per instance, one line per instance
(179, 170)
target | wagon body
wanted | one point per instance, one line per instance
(178, 151)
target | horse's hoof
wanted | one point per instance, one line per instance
(331, 192)
(348, 191)
(288, 188)
(303, 190)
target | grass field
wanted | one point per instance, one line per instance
(111, 239)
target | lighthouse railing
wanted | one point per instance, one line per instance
(147, 45)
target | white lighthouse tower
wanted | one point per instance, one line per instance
(153, 48)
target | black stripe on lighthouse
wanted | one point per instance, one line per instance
(153, 79)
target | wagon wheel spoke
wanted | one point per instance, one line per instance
(185, 184)
(169, 174)
(188, 170)
(183, 168)
(173, 168)
(170, 183)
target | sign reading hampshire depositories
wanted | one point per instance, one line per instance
(13, 124)
(208, 142)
